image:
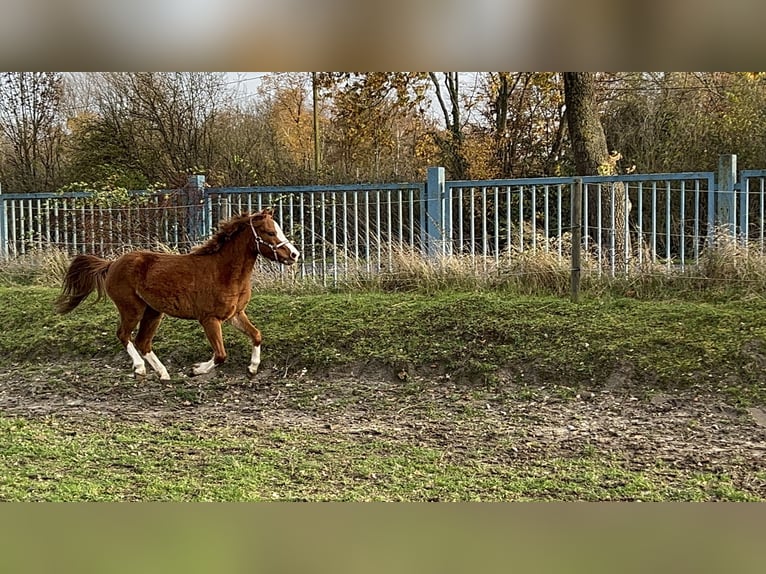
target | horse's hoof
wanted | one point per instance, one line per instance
(203, 368)
(201, 373)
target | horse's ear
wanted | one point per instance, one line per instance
(262, 213)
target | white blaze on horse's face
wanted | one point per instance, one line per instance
(282, 240)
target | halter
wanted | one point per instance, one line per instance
(259, 241)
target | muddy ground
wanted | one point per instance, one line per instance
(500, 422)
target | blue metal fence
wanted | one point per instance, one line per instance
(751, 189)
(663, 217)
(340, 229)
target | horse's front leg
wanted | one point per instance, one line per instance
(213, 332)
(242, 322)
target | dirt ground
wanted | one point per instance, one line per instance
(501, 422)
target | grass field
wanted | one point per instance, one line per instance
(392, 396)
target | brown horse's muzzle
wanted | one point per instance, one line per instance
(287, 254)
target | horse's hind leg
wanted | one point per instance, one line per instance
(150, 322)
(130, 315)
(242, 322)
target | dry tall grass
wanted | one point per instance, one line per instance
(725, 267)
(38, 267)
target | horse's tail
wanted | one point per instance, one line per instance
(86, 273)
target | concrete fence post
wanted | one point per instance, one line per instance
(725, 200)
(196, 204)
(436, 215)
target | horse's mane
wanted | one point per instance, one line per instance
(226, 231)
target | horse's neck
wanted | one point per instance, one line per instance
(237, 257)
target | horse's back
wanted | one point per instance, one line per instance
(166, 282)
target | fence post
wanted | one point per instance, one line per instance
(195, 194)
(436, 215)
(3, 230)
(576, 190)
(744, 211)
(725, 204)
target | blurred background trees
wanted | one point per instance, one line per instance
(135, 130)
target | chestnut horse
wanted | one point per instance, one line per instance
(210, 284)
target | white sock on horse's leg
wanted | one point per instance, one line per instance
(255, 360)
(157, 365)
(139, 368)
(204, 368)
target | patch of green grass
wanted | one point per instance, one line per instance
(470, 335)
(98, 459)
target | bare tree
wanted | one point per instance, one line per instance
(31, 126)
(452, 146)
(161, 124)
(523, 112)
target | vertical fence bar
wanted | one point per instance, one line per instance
(599, 219)
(48, 221)
(412, 217)
(612, 230)
(460, 238)
(762, 206)
(560, 192)
(335, 239)
(323, 238)
(682, 223)
(55, 234)
(744, 211)
(3, 227)
(378, 227)
(345, 230)
(400, 209)
(545, 216)
(668, 238)
(521, 218)
(640, 217)
(696, 220)
(312, 233)
(302, 209)
(584, 209)
(626, 229)
(39, 223)
(13, 245)
(508, 226)
(356, 227)
(654, 222)
(368, 253)
(473, 224)
(497, 224)
(484, 222)
(533, 217)
(389, 229)
(576, 191)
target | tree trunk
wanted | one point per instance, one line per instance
(452, 147)
(592, 157)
